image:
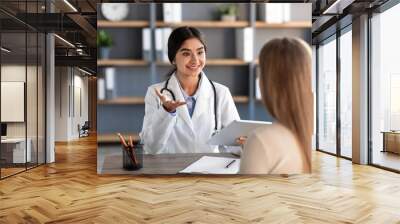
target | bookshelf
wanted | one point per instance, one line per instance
(134, 73)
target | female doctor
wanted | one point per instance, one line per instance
(182, 113)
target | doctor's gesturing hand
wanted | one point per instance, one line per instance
(169, 105)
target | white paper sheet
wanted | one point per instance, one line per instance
(213, 165)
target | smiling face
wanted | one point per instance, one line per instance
(190, 58)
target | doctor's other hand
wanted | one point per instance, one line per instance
(241, 140)
(169, 105)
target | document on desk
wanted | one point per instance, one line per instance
(213, 165)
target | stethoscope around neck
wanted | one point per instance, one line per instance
(165, 88)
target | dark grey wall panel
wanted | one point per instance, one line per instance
(261, 113)
(132, 81)
(162, 72)
(119, 118)
(234, 77)
(220, 42)
(127, 43)
(243, 110)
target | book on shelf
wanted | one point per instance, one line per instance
(258, 92)
(257, 84)
(101, 93)
(286, 12)
(146, 45)
(166, 32)
(110, 82)
(245, 43)
(172, 12)
(159, 43)
(275, 12)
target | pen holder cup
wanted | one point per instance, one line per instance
(132, 160)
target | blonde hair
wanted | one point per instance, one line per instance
(285, 84)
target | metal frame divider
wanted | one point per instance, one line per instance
(338, 98)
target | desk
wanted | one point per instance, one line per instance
(391, 141)
(15, 148)
(152, 164)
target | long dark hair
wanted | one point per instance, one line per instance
(286, 90)
(176, 39)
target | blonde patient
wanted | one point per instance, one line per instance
(285, 83)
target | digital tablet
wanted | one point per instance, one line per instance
(229, 134)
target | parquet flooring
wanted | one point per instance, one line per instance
(70, 191)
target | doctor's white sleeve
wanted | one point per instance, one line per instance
(157, 124)
(228, 111)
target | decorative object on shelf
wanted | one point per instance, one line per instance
(104, 43)
(172, 12)
(115, 11)
(228, 13)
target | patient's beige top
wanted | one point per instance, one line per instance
(273, 149)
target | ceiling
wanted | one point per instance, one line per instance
(79, 26)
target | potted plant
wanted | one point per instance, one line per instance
(104, 43)
(228, 13)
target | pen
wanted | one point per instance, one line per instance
(227, 166)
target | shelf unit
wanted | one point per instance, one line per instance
(122, 24)
(121, 62)
(294, 24)
(205, 24)
(243, 71)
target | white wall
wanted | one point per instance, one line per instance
(12, 73)
(71, 94)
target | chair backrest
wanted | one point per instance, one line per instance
(86, 125)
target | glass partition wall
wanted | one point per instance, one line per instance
(346, 92)
(327, 95)
(334, 94)
(22, 87)
(385, 89)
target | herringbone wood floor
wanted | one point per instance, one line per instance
(70, 191)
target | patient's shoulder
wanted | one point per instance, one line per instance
(274, 130)
(276, 136)
(272, 149)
